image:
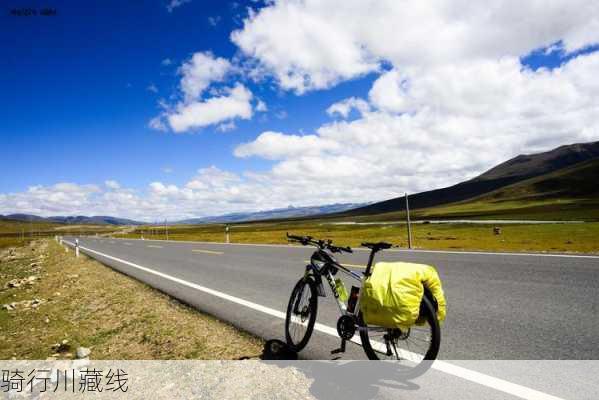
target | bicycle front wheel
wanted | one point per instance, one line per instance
(301, 314)
(416, 345)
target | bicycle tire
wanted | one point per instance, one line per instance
(301, 285)
(428, 311)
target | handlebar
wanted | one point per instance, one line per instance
(321, 244)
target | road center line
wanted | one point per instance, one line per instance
(154, 246)
(502, 385)
(207, 251)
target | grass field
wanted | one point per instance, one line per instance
(71, 306)
(17, 233)
(530, 237)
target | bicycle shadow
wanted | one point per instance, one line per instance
(353, 379)
(345, 379)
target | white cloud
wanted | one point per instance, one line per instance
(112, 184)
(235, 104)
(226, 127)
(437, 127)
(213, 21)
(166, 62)
(344, 107)
(172, 4)
(276, 145)
(388, 92)
(197, 109)
(314, 44)
(200, 71)
(152, 88)
(261, 106)
(158, 124)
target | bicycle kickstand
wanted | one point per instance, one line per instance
(340, 349)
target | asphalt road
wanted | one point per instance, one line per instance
(500, 306)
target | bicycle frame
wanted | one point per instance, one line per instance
(326, 270)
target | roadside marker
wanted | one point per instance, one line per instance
(502, 385)
(207, 251)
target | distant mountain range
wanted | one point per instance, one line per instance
(289, 212)
(73, 220)
(281, 213)
(518, 169)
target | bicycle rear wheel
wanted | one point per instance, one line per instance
(301, 314)
(417, 345)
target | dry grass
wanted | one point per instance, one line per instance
(557, 238)
(91, 305)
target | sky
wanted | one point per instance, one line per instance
(186, 108)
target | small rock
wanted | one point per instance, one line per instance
(47, 320)
(83, 352)
(62, 347)
(8, 307)
(15, 283)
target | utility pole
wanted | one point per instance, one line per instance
(408, 222)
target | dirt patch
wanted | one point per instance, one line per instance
(48, 296)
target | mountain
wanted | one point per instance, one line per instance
(281, 213)
(79, 220)
(289, 212)
(515, 170)
(575, 181)
(23, 217)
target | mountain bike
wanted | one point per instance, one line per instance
(416, 345)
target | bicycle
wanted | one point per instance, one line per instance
(419, 343)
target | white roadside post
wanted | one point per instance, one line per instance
(408, 223)
(76, 247)
(227, 233)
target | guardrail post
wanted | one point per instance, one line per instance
(408, 223)
(76, 247)
(227, 233)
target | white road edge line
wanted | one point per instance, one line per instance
(482, 253)
(451, 369)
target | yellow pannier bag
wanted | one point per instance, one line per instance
(391, 296)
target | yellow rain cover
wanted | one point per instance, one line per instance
(391, 295)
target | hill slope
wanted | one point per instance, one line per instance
(512, 171)
(576, 181)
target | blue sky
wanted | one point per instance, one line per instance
(76, 104)
(75, 99)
